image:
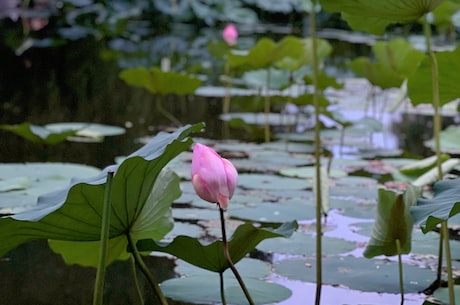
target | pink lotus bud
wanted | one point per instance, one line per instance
(213, 177)
(230, 34)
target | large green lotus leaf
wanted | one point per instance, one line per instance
(211, 257)
(374, 16)
(442, 15)
(428, 213)
(74, 213)
(396, 60)
(303, 244)
(38, 134)
(294, 52)
(449, 140)
(419, 85)
(261, 55)
(392, 222)
(86, 253)
(324, 81)
(154, 221)
(357, 273)
(159, 82)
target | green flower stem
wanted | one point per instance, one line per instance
(319, 234)
(401, 280)
(437, 142)
(229, 259)
(450, 279)
(140, 262)
(136, 282)
(228, 87)
(100, 274)
(222, 289)
(267, 108)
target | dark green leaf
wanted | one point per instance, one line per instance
(392, 222)
(419, 85)
(211, 257)
(374, 16)
(159, 82)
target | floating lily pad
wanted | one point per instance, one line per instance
(270, 182)
(260, 118)
(268, 212)
(189, 288)
(358, 273)
(300, 148)
(193, 214)
(182, 228)
(86, 131)
(449, 140)
(354, 208)
(305, 244)
(22, 183)
(308, 172)
(428, 244)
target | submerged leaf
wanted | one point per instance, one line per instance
(393, 222)
(211, 257)
(428, 213)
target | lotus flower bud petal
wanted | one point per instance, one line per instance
(214, 178)
(230, 34)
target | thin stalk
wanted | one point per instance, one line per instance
(145, 270)
(228, 87)
(136, 282)
(319, 234)
(100, 274)
(267, 108)
(166, 113)
(222, 289)
(435, 96)
(450, 279)
(437, 142)
(229, 259)
(400, 267)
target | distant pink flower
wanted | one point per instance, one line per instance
(214, 178)
(230, 34)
